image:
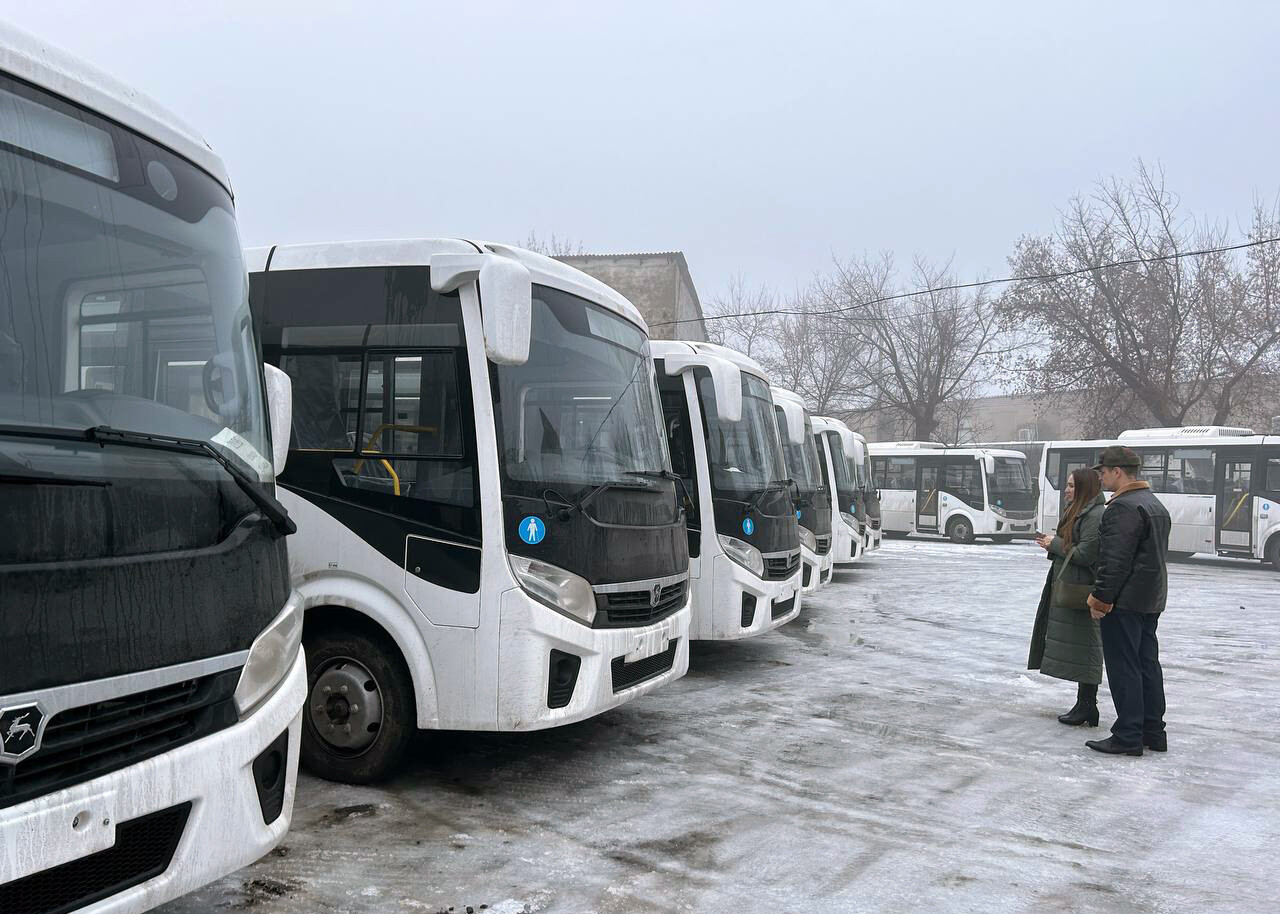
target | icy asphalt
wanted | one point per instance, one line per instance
(886, 751)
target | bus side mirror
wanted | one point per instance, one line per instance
(989, 464)
(726, 378)
(280, 414)
(506, 300)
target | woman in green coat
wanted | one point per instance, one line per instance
(1065, 642)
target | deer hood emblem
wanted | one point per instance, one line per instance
(20, 730)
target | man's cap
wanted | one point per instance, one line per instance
(1117, 456)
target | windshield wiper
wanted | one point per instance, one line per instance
(274, 511)
(753, 503)
(664, 474)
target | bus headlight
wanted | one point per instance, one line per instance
(745, 554)
(850, 520)
(270, 658)
(808, 540)
(561, 590)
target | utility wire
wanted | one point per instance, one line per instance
(977, 284)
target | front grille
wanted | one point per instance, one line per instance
(781, 567)
(875, 523)
(782, 607)
(824, 545)
(91, 740)
(143, 849)
(627, 608)
(626, 675)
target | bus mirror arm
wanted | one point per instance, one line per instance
(506, 300)
(280, 414)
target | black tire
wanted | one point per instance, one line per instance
(338, 654)
(960, 530)
(1273, 551)
(1002, 538)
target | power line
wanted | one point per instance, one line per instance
(977, 284)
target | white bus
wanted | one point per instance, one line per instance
(868, 495)
(744, 542)
(835, 442)
(961, 493)
(151, 681)
(489, 531)
(1221, 486)
(813, 495)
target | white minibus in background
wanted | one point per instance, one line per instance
(489, 531)
(1221, 486)
(961, 493)
(744, 542)
(835, 444)
(151, 680)
(812, 495)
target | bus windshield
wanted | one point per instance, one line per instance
(801, 459)
(583, 410)
(845, 484)
(125, 300)
(1009, 487)
(745, 456)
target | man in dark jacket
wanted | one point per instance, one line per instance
(1129, 595)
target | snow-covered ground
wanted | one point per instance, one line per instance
(884, 752)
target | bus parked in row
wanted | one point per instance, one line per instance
(151, 682)
(1221, 486)
(835, 444)
(868, 502)
(961, 493)
(490, 536)
(744, 542)
(812, 496)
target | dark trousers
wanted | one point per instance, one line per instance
(1132, 655)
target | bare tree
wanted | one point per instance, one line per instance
(743, 318)
(921, 355)
(811, 356)
(1175, 335)
(555, 247)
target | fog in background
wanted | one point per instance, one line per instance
(758, 138)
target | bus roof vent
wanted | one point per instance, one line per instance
(919, 444)
(1189, 431)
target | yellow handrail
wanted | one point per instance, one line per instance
(1235, 510)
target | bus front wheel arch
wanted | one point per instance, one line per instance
(360, 715)
(1272, 552)
(960, 529)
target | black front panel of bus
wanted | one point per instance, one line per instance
(773, 522)
(621, 535)
(815, 511)
(111, 571)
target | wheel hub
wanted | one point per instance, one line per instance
(345, 705)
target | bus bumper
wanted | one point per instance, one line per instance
(602, 662)
(815, 570)
(224, 830)
(737, 595)
(871, 539)
(846, 544)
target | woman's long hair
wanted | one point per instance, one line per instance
(1088, 485)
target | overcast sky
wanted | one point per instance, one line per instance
(757, 138)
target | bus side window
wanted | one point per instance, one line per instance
(1152, 469)
(1270, 477)
(1053, 463)
(1191, 471)
(675, 416)
(900, 474)
(879, 469)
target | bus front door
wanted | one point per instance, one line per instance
(927, 497)
(1235, 504)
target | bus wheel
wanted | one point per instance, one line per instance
(359, 716)
(960, 530)
(1273, 552)
(1002, 538)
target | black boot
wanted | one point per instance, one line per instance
(1086, 707)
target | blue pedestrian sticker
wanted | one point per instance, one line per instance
(797, 513)
(532, 530)
(748, 526)
(1266, 506)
